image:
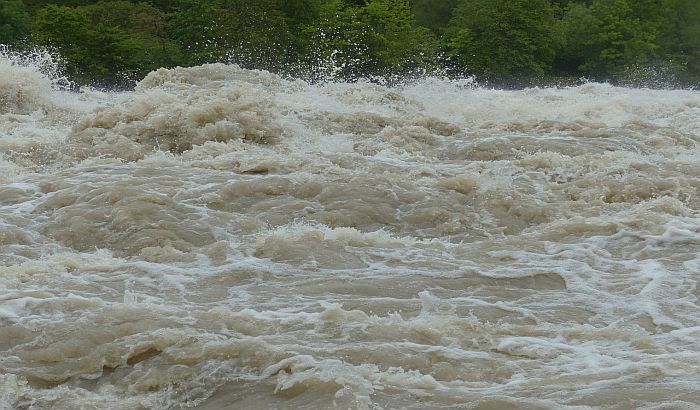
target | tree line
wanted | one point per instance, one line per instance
(501, 42)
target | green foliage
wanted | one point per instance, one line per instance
(247, 32)
(616, 39)
(623, 39)
(258, 35)
(14, 21)
(405, 46)
(301, 13)
(506, 40)
(510, 42)
(344, 44)
(378, 38)
(90, 52)
(100, 45)
(689, 38)
(433, 14)
(573, 33)
(142, 30)
(38, 4)
(199, 29)
(680, 38)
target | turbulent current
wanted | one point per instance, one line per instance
(226, 238)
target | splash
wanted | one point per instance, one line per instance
(23, 89)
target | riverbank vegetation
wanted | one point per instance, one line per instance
(499, 42)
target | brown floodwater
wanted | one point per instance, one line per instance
(225, 238)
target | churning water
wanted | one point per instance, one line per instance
(226, 238)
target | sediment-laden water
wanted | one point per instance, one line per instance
(225, 238)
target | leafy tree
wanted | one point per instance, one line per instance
(566, 3)
(405, 46)
(344, 43)
(14, 21)
(433, 14)
(143, 30)
(379, 38)
(89, 52)
(249, 32)
(111, 42)
(689, 35)
(129, 16)
(199, 27)
(258, 35)
(679, 37)
(510, 42)
(573, 35)
(166, 6)
(507, 40)
(300, 15)
(608, 39)
(37, 4)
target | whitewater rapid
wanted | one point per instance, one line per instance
(226, 238)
